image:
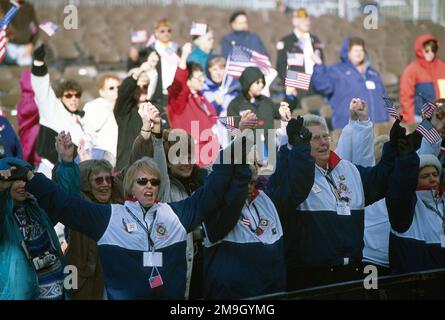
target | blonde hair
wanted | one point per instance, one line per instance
(144, 164)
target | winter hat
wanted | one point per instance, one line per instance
(430, 160)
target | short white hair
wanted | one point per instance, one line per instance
(314, 120)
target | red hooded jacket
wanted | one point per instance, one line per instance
(421, 77)
(184, 107)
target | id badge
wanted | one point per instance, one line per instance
(152, 259)
(370, 85)
(442, 241)
(343, 209)
(131, 227)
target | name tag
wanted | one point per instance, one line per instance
(131, 227)
(316, 188)
(343, 209)
(152, 259)
(370, 85)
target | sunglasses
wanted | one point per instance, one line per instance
(143, 182)
(70, 95)
(100, 180)
(165, 31)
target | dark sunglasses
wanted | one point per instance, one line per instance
(70, 95)
(144, 181)
(165, 31)
(100, 180)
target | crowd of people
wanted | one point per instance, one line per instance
(165, 187)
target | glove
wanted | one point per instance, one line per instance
(39, 53)
(19, 173)
(396, 133)
(415, 139)
(296, 132)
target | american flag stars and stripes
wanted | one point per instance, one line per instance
(428, 109)
(298, 80)
(139, 36)
(50, 28)
(3, 42)
(198, 29)
(392, 111)
(295, 59)
(242, 57)
(426, 129)
(229, 123)
(9, 15)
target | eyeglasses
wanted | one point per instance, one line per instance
(143, 182)
(325, 137)
(100, 180)
(70, 95)
(165, 31)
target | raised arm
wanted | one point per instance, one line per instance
(177, 92)
(401, 197)
(294, 174)
(322, 80)
(356, 142)
(44, 96)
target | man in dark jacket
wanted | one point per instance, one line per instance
(241, 36)
(252, 83)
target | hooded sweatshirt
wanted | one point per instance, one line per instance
(28, 120)
(421, 77)
(264, 108)
(342, 82)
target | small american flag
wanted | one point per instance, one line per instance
(139, 36)
(229, 123)
(430, 133)
(242, 57)
(156, 281)
(299, 80)
(9, 15)
(198, 29)
(49, 28)
(392, 111)
(295, 59)
(3, 43)
(428, 109)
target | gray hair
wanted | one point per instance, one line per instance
(314, 120)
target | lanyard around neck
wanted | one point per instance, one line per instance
(144, 227)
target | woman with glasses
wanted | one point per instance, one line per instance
(93, 180)
(57, 109)
(141, 242)
(416, 210)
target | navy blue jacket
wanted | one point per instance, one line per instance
(238, 263)
(242, 38)
(416, 227)
(315, 235)
(121, 251)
